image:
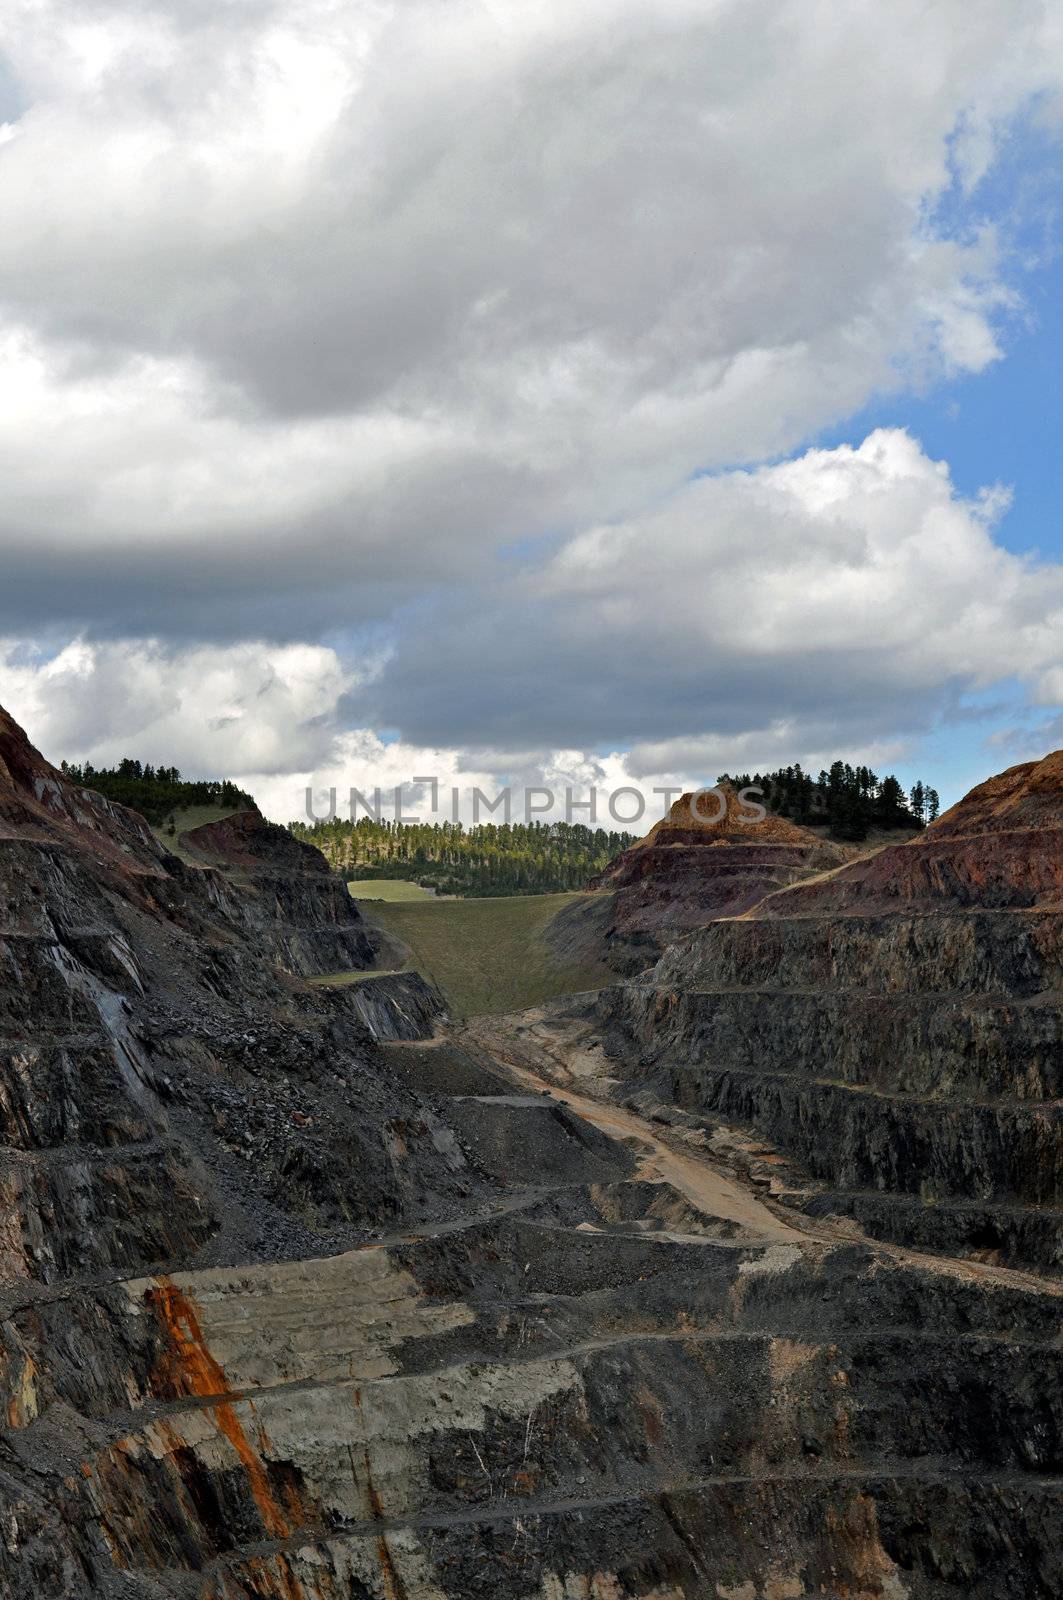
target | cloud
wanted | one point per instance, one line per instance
(268, 718)
(842, 596)
(310, 312)
(209, 710)
(835, 604)
(414, 367)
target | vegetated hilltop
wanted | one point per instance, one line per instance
(849, 801)
(489, 859)
(156, 792)
(1000, 846)
(300, 911)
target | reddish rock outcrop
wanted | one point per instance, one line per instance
(246, 842)
(37, 802)
(1001, 846)
(714, 855)
(894, 1025)
(301, 910)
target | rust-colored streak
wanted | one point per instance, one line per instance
(394, 1588)
(293, 1589)
(22, 1404)
(189, 1368)
(271, 1579)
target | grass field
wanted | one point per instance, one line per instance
(488, 956)
(398, 890)
(343, 980)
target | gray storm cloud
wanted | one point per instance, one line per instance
(420, 320)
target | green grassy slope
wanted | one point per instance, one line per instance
(398, 890)
(487, 956)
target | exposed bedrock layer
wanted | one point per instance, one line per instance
(713, 855)
(288, 897)
(511, 1408)
(1001, 846)
(300, 1303)
(164, 1084)
(897, 1037)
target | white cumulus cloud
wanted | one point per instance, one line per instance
(393, 317)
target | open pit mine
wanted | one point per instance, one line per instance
(736, 1280)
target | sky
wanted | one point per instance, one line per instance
(613, 394)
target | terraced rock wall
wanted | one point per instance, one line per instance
(899, 1040)
(302, 1297)
(710, 857)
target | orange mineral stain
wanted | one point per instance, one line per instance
(293, 1589)
(394, 1588)
(189, 1368)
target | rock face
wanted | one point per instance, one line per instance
(300, 1303)
(896, 1027)
(301, 910)
(1001, 847)
(168, 1093)
(714, 855)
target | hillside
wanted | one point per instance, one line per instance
(1000, 847)
(895, 1024)
(489, 859)
(157, 793)
(741, 1280)
(692, 866)
(487, 956)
